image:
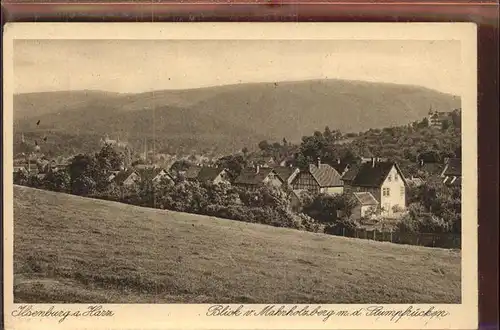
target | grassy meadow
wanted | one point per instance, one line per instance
(79, 250)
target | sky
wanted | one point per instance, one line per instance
(133, 66)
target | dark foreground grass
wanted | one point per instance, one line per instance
(79, 250)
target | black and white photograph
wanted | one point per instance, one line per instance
(238, 171)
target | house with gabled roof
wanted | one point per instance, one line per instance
(261, 160)
(415, 181)
(426, 169)
(365, 205)
(318, 178)
(211, 174)
(339, 166)
(383, 179)
(286, 161)
(286, 173)
(256, 177)
(452, 172)
(126, 178)
(26, 168)
(19, 168)
(155, 174)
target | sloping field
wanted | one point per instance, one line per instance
(73, 249)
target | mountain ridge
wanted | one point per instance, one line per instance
(233, 115)
(238, 84)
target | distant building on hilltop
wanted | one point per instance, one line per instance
(436, 118)
(116, 143)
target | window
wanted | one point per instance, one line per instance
(396, 177)
(402, 191)
(389, 178)
(386, 192)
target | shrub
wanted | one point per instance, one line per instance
(20, 178)
(397, 209)
(305, 222)
(57, 181)
(419, 221)
(35, 181)
(326, 208)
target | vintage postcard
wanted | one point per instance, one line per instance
(240, 176)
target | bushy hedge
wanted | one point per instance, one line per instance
(264, 205)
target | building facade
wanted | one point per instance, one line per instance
(252, 178)
(319, 178)
(384, 180)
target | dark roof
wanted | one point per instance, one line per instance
(284, 172)
(149, 173)
(325, 175)
(365, 198)
(351, 173)
(33, 167)
(453, 181)
(340, 167)
(432, 168)
(209, 173)
(192, 172)
(19, 169)
(453, 167)
(123, 175)
(203, 173)
(373, 175)
(415, 181)
(249, 176)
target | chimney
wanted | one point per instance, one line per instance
(257, 169)
(319, 162)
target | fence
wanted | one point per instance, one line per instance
(442, 240)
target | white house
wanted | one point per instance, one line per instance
(366, 204)
(383, 179)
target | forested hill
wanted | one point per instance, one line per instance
(224, 118)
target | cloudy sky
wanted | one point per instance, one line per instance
(142, 65)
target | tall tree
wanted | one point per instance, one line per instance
(83, 171)
(264, 145)
(234, 164)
